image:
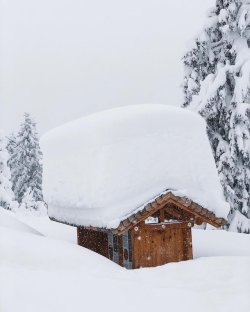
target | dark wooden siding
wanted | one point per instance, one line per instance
(93, 240)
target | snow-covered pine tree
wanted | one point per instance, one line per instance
(25, 162)
(11, 144)
(217, 85)
(6, 194)
(28, 201)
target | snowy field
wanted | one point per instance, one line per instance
(43, 270)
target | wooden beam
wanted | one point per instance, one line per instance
(164, 226)
(173, 212)
(189, 207)
(192, 211)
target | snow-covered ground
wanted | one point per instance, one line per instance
(46, 227)
(51, 273)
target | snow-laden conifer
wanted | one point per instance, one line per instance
(28, 201)
(11, 144)
(6, 194)
(217, 85)
(25, 162)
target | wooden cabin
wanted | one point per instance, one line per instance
(115, 175)
(157, 234)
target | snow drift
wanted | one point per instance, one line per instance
(102, 167)
(8, 220)
(43, 274)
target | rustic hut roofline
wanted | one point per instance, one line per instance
(200, 214)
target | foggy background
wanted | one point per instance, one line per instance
(62, 59)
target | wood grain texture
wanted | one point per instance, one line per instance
(158, 244)
(96, 241)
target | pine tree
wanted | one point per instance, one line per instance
(28, 201)
(11, 144)
(25, 162)
(6, 194)
(217, 85)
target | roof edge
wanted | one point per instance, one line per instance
(159, 202)
(153, 206)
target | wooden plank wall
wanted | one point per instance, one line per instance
(187, 244)
(154, 245)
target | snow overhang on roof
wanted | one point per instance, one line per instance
(199, 214)
(104, 166)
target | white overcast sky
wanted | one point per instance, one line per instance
(62, 59)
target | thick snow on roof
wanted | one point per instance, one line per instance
(101, 168)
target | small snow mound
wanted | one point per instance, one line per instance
(104, 166)
(8, 220)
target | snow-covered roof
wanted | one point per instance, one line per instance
(103, 167)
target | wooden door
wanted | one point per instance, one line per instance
(158, 244)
